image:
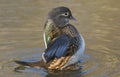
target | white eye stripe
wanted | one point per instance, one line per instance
(65, 14)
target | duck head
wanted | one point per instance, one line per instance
(60, 16)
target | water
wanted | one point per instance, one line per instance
(21, 29)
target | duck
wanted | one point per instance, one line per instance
(64, 44)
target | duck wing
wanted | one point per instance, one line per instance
(57, 49)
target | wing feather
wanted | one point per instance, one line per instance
(57, 48)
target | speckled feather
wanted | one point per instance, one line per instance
(72, 48)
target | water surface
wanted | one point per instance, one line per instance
(21, 29)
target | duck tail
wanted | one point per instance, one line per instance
(32, 64)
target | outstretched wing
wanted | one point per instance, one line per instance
(48, 32)
(57, 48)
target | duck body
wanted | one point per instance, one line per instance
(69, 54)
(64, 44)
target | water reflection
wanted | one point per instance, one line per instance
(53, 73)
(50, 73)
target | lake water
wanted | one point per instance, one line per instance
(21, 29)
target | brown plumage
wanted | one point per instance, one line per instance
(64, 44)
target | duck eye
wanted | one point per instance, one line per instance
(65, 14)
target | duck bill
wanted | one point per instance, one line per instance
(73, 18)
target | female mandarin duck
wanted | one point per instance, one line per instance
(64, 44)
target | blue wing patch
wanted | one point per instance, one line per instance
(57, 48)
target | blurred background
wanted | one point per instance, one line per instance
(21, 34)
